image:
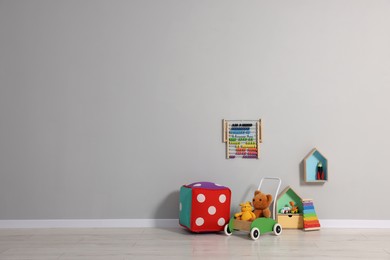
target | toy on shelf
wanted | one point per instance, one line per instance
(246, 212)
(260, 225)
(315, 167)
(320, 171)
(310, 220)
(242, 138)
(285, 210)
(294, 209)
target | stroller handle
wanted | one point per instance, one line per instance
(276, 193)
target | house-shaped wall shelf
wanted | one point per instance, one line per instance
(286, 217)
(315, 167)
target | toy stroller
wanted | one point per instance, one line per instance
(260, 225)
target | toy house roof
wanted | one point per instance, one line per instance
(283, 192)
(315, 150)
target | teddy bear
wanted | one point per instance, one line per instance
(246, 212)
(261, 203)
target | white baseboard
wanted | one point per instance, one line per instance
(162, 223)
(89, 223)
(354, 223)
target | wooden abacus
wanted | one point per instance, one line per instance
(242, 138)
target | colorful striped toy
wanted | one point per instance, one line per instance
(310, 220)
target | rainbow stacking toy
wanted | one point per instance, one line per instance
(310, 220)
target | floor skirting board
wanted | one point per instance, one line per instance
(354, 223)
(163, 223)
(89, 223)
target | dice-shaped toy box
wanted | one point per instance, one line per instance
(204, 206)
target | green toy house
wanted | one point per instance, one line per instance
(289, 209)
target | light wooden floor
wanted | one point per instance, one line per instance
(177, 243)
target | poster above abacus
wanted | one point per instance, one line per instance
(242, 138)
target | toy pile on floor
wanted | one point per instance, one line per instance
(205, 207)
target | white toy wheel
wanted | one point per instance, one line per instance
(255, 233)
(277, 229)
(227, 230)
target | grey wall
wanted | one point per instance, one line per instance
(108, 107)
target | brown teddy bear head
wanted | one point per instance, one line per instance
(261, 200)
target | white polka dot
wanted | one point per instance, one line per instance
(180, 206)
(197, 185)
(222, 198)
(221, 222)
(200, 221)
(212, 210)
(201, 198)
